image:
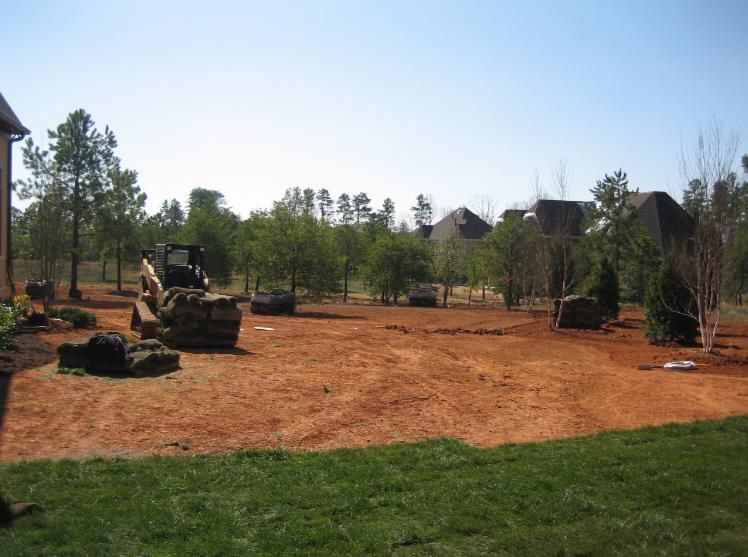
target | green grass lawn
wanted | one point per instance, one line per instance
(673, 490)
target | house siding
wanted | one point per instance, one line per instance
(4, 216)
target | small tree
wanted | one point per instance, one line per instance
(504, 247)
(82, 158)
(394, 262)
(120, 213)
(345, 211)
(350, 242)
(669, 308)
(450, 261)
(604, 288)
(325, 205)
(244, 249)
(612, 215)
(361, 207)
(707, 170)
(48, 219)
(422, 211)
(212, 225)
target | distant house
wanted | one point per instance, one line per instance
(556, 216)
(665, 220)
(11, 130)
(466, 224)
(519, 213)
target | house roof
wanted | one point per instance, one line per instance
(556, 215)
(663, 217)
(8, 119)
(516, 212)
(467, 224)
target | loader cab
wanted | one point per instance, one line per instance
(180, 265)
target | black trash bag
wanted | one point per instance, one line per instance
(108, 350)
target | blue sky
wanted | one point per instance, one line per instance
(458, 100)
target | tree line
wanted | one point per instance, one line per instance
(86, 205)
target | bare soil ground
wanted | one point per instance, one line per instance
(356, 375)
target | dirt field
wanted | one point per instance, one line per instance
(356, 375)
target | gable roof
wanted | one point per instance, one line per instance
(557, 215)
(467, 224)
(8, 119)
(667, 222)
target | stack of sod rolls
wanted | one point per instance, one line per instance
(192, 317)
(141, 358)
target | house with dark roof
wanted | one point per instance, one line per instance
(466, 224)
(557, 216)
(665, 220)
(11, 130)
(519, 213)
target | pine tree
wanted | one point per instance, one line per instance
(605, 289)
(422, 210)
(669, 309)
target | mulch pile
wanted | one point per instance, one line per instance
(26, 352)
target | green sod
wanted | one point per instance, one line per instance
(672, 490)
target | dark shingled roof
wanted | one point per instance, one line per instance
(516, 212)
(556, 215)
(667, 222)
(468, 225)
(424, 231)
(8, 120)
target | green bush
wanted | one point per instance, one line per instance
(77, 317)
(668, 309)
(9, 324)
(604, 289)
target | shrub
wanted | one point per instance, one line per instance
(604, 289)
(669, 309)
(77, 317)
(8, 325)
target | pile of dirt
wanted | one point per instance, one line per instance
(191, 317)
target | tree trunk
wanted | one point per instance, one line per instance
(446, 293)
(293, 281)
(345, 280)
(103, 271)
(74, 258)
(119, 266)
(564, 286)
(470, 295)
(257, 284)
(483, 294)
(508, 301)
(246, 279)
